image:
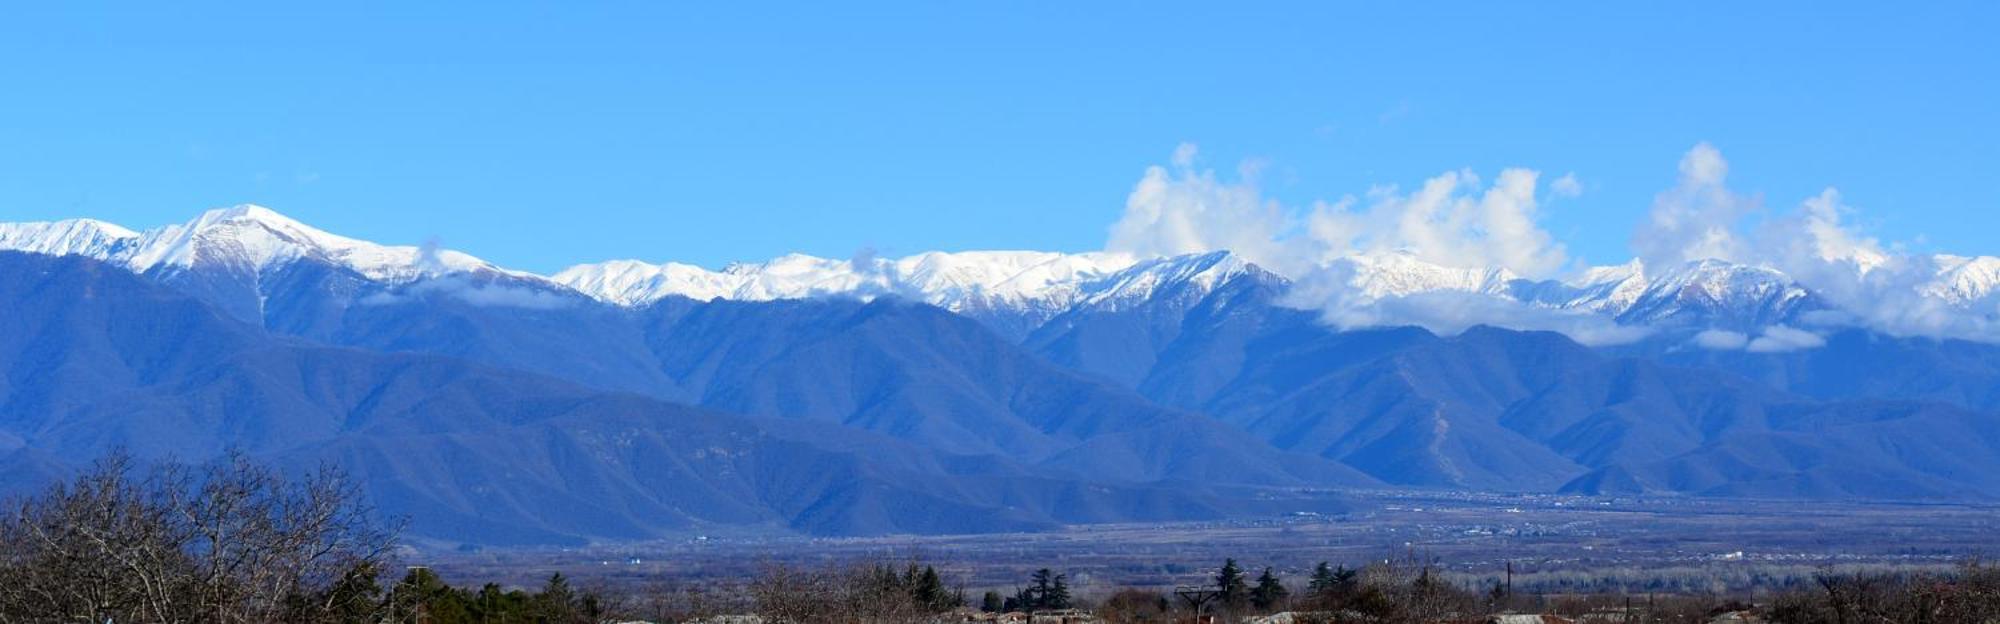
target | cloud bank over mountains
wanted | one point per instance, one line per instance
(1467, 248)
(1713, 269)
(1451, 220)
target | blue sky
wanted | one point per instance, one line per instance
(539, 135)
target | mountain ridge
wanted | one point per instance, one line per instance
(95, 358)
(1013, 291)
(1200, 367)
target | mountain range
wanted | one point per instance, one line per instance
(951, 392)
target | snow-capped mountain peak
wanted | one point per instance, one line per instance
(78, 237)
(956, 281)
(1190, 276)
(632, 282)
(247, 237)
(1714, 292)
(1398, 273)
(260, 238)
(1017, 288)
(1962, 280)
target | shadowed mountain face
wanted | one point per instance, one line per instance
(501, 408)
(1201, 383)
(97, 358)
(1534, 411)
(913, 372)
(920, 373)
(1858, 364)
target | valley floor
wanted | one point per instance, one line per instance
(1554, 544)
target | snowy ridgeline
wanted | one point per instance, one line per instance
(254, 240)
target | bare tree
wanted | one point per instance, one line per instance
(874, 592)
(228, 541)
(1136, 606)
(784, 593)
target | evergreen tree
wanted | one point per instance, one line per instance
(496, 605)
(1322, 579)
(1346, 580)
(1333, 580)
(1023, 600)
(1045, 590)
(928, 590)
(1040, 584)
(422, 594)
(1234, 590)
(1269, 592)
(1058, 596)
(993, 602)
(556, 603)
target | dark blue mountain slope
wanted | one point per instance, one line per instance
(95, 358)
(913, 372)
(1535, 411)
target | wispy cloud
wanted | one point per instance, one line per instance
(468, 290)
(1566, 186)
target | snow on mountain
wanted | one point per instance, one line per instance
(1963, 280)
(1604, 289)
(1395, 274)
(1020, 286)
(1716, 290)
(994, 279)
(632, 283)
(69, 237)
(964, 281)
(1189, 277)
(246, 236)
(1705, 292)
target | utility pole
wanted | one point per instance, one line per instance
(1197, 596)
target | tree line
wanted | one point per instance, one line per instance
(232, 541)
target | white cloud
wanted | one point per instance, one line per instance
(1828, 240)
(1179, 211)
(1870, 284)
(1780, 339)
(1720, 340)
(1697, 218)
(1449, 221)
(430, 259)
(1457, 221)
(1452, 220)
(465, 289)
(1772, 339)
(1449, 312)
